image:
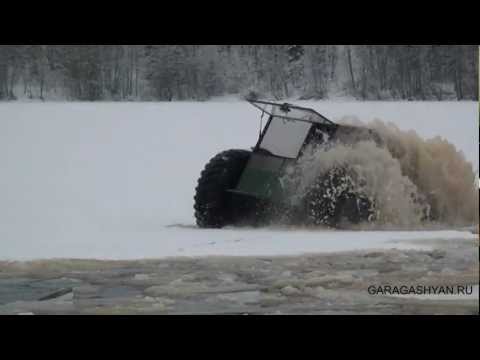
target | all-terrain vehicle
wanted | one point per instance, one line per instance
(249, 187)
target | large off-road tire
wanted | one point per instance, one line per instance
(335, 198)
(214, 207)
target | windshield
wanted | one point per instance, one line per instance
(284, 137)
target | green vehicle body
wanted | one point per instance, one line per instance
(260, 178)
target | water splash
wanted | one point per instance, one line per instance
(408, 178)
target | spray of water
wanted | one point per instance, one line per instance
(408, 177)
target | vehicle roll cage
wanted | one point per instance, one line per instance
(310, 115)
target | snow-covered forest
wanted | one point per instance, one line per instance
(200, 72)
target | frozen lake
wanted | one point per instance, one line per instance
(108, 180)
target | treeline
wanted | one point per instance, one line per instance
(199, 72)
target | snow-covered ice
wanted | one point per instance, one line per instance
(180, 242)
(106, 180)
